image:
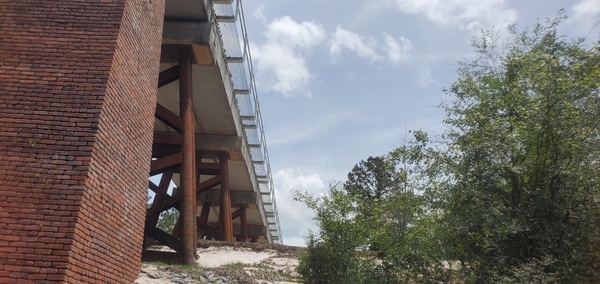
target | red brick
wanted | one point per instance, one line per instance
(30, 269)
(72, 120)
(11, 238)
(40, 276)
(12, 268)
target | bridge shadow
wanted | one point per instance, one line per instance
(168, 257)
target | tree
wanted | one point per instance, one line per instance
(374, 178)
(511, 194)
(374, 228)
(526, 144)
(167, 220)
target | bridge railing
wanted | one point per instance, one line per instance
(231, 22)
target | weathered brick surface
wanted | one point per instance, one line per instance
(77, 96)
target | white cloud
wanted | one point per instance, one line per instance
(289, 180)
(397, 49)
(281, 60)
(471, 15)
(295, 241)
(259, 14)
(294, 217)
(424, 77)
(307, 128)
(586, 13)
(352, 41)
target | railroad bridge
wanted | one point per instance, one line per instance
(98, 96)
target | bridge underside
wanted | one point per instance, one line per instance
(199, 140)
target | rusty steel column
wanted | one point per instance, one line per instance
(226, 226)
(188, 169)
(244, 225)
(195, 194)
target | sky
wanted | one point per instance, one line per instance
(341, 80)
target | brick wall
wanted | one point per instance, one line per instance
(77, 96)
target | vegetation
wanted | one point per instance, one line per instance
(510, 194)
(167, 220)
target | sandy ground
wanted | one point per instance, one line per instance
(223, 263)
(219, 256)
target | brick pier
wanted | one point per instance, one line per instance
(77, 102)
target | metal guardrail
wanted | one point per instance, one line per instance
(232, 25)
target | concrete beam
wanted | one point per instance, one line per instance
(201, 53)
(193, 35)
(237, 196)
(217, 143)
(248, 206)
(230, 144)
(178, 32)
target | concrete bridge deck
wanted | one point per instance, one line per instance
(225, 114)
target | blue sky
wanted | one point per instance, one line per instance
(341, 80)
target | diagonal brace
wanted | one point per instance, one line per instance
(168, 76)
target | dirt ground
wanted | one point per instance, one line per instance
(221, 263)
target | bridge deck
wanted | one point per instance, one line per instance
(226, 118)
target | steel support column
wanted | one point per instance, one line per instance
(188, 168)
(244, 225)
(197, 160)
(226, 226)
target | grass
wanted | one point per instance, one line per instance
(177, 266)
(237, 265)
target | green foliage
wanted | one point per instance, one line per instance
(167, 220)
(373, 228)
(374, 178)
(525, 130)
(509, 195)
(533, 271)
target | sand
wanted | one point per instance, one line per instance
(222, 264)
